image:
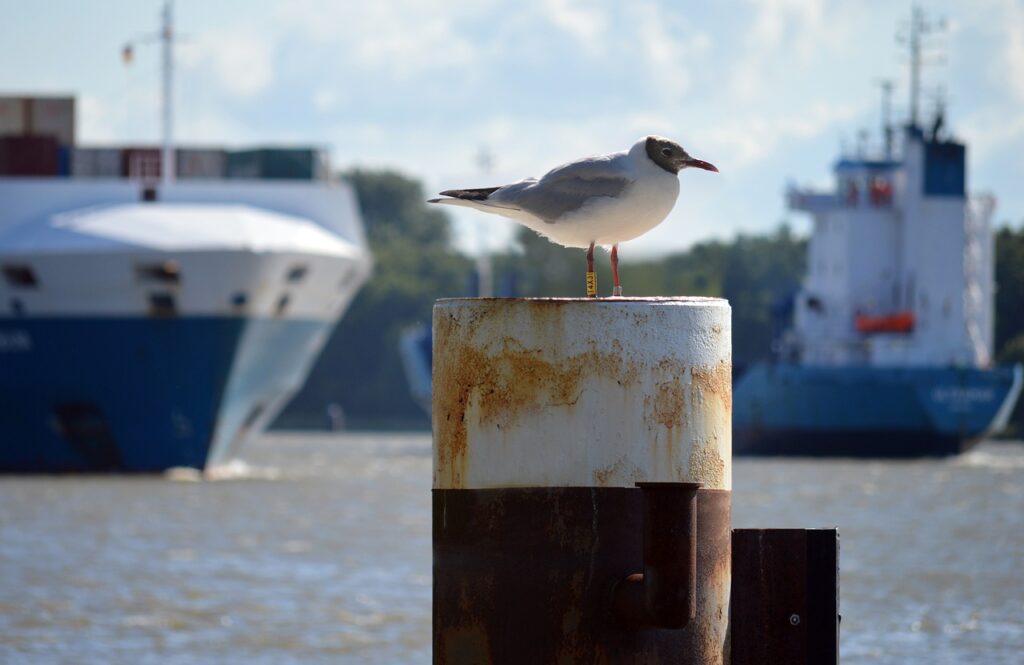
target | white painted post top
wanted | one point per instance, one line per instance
(582, 392)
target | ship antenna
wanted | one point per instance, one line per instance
(887, 135)
(919, 28)
(167, 165)
(166, 36)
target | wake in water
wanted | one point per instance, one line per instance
(233, 470)
(1003, 456)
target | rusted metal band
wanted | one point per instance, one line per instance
(525, 575)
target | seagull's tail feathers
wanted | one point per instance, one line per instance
(474, 198)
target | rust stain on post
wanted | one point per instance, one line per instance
(511, 382)
(652, 377)
(706, 462)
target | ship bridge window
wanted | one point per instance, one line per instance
(240, 299)
(162, 305)
(166, 272)
(21, 276)
(852, 192)
(881, 191)
(297, 273)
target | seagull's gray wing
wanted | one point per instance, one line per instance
(567, 188)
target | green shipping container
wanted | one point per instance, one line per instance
(276, 163)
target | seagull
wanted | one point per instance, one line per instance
(602, 200)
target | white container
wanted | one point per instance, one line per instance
(201, 163)
(96, 163)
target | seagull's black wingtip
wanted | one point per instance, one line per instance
(479, 194)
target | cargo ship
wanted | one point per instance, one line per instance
(149, 323)
(890, 348)
(158, 305)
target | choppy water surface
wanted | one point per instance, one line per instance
(317, 550)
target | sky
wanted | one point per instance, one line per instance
(768, 90)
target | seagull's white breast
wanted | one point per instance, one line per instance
(606, 221)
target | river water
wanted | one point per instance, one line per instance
(317, 550)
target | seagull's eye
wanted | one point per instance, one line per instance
(666, 151)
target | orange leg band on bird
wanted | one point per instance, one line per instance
(591, 275)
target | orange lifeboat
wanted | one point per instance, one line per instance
(901, 322)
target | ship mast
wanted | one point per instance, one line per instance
(916, 26)
(920, 27)
(167, 165)
(887, 135)
(166, 37)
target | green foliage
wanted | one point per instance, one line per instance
(1010, 308)
(413, 266)
(1012, 353)
(1009, 284)
(753, 272)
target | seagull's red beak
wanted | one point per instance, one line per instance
(701, 164)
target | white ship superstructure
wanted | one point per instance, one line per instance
(900, 263)
(226, 291)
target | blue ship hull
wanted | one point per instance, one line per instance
(139, 394)
(868, 412)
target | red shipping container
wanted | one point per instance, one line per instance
(140, 163)
(29, 156)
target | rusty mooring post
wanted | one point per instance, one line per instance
(547, 414)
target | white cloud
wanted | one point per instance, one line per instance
(798, 33)
(402, 37)
(587, 24)
(744, 140)
(242, 61)
(670, 48)
(325, 99)
(1014, 50)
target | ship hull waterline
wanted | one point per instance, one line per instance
(895, 412)
(138, 394)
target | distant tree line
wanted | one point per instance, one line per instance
(416, 263)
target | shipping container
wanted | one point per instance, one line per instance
(63, 161)
(39, 116)
(140, 163)
(277, 163)
(200, 163)
(12, 115)
(96, 163)
(54, 116)
(29, 156)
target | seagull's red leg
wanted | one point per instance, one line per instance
(617, 287)
(591, 275)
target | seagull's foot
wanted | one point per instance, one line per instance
(617, 292)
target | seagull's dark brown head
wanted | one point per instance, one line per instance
(670, 156)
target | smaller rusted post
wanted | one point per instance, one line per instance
(665, 594)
